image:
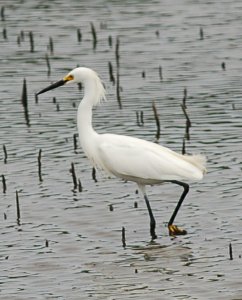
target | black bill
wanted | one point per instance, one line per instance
(52, 86)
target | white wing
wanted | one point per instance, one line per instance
(143, 161)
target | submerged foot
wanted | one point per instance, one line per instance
(153, 236)
(174, 230)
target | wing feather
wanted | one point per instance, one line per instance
(126, 157)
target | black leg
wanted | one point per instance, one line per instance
(173, 229)
(152, 219)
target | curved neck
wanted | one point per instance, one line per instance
(84, 117)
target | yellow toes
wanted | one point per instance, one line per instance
(174, 230)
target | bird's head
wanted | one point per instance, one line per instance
(87, 76)
(77, 75)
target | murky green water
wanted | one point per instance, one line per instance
(68, 244)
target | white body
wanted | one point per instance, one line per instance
(127, 157)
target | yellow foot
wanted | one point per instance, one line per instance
(174, 230)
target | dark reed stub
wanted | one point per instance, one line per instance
(184, 97)
(2, 13)
(5, 154)
(75, 135)
(160, 73)
(74, 178)
(39, 166)
(51, 46)
(48, 64)
(123, 237)
(184, 146)
(110, 41)
(17, 208)
(4, 184)
(94, 174)
(79, 35)
(230, 251)
(5, 35)
(201, 33)
(110, 69)
(31, 40)
(94, 36)
(79, 186)
(24, 100)
(157, 121)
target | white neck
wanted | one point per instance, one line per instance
(84, 122)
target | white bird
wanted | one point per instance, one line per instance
(126, 157)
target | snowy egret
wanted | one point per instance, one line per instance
(126, 157)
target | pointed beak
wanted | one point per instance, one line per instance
(52, 86)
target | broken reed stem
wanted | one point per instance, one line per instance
(186, 115)
(39, 166)
(110, 69)
(24, 94)
(79, 35)
(117, 77)
(157, 121)
(137, 118)
(187, 134)
(117, 52)
(73, 173)
(22, 35)
(160, 73)
(75, 135)
(110, 41)
(188, 122)
(19, 40)
(4, 184)
(5, 154)
(2, 13)
(184, 146)
(230, 252)
(140, 118)
(118, 90)
(48, 64)
(31, 40)
(94, 174)
(17, 208)
(201, 33)
(184, 98)
(5, 36)
(94, 36)
(51, 45)
(123, 237)
(25, 101)
(79, 186)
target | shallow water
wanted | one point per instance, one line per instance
(68, 243)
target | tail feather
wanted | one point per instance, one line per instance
(198, 161)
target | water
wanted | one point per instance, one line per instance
(68, 244)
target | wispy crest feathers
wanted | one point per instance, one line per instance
(100, 90)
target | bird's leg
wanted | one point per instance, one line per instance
(173, 229)
(152, 219)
